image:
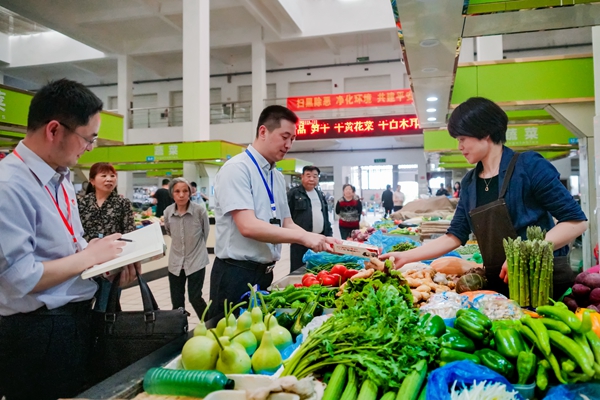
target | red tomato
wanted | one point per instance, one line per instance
(339, 269)
(330, 280)
(298, 285)
(322, 275)
(338, 279)
(350, 273)
(307, 276)
(310, 282)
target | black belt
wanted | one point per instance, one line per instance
(250, 265)
(80, 307)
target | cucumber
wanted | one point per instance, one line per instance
(412, 383)
(336, 383)
(423, 394)
(389, 396)
(368, 391)
(351, 390)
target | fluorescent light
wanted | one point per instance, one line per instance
(432, 119)
(218, 160)
(432, 98)
(429, 42)
(431, 110)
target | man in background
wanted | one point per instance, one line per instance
(398, 199)
(387, 200)
(308, 208)
(442, 191)
(162, 198)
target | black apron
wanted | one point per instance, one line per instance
(491, 224)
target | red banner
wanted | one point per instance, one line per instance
(351, 100)
(358, 127)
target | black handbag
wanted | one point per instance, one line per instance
(121, 338)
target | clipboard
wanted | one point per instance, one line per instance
(147, 244)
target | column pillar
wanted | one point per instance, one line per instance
(125, 92)
(206, 182)
(196, 70)
(125, 184)
(489, 48)
(259, 79)
(422, 176)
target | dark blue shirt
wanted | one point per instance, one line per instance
(534, 195)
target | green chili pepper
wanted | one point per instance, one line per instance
(457, 341)
(508, 342)
(540, 332)
(573, 350)
(496, 362)
(309, 314)
(556, 325)
(553, 362)
(581, 340)
(526, 362)
(568, 317)
(433, 325)
(568, 365)
(541, 377)
(449, 355)
(594, 342)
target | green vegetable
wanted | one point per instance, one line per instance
(368, 391)
(336, 383)
(508, 342)
(351, 390)
(404, 246)
(496, 362)
(581, 340)
(309, 314)
(553, 362)
(474, 326)
(389, 396)
(526, 362)
(481, 318)
(568, 317)
(568, 365)
(423, 394)
(285, 320)
(594, 342)
(356, 290)
(457, 341)
(449, 355)
(433, 325)
(556, 325)
(541, 377)
(540, 332)
(412, 383)
(572, 350)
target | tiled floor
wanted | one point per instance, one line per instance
(131, 301)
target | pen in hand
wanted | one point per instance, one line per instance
(125, 240)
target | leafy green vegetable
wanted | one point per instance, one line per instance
(356, 290)
(379, 336)
(404, 246)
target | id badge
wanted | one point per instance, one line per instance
(275, 221)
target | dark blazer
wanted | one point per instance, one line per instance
(301, 209)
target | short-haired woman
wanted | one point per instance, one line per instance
(501, 197)
(349, 208)
(187, 224)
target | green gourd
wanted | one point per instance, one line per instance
(266, 314)
(200, 329)
(244, 322)
(267, 359)
(200, 353)
(232, 359)
(258, 326)
(231, 322)
(222, 324)
(282, 338)
(247, 340)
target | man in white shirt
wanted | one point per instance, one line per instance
(308, 208)
(398, 199)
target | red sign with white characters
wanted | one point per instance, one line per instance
(358, 127)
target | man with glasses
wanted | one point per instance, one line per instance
(309, 211)
(45, 306)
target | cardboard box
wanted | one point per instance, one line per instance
(356, 249)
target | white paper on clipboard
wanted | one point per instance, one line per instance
(146, 243)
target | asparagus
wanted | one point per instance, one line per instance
(517, 267)
(507, 243)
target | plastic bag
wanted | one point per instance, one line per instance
(312, 259)
(452, 265)
(463, 372)
(387, 242)
(576, 391)
(451, 254)
(445, 304)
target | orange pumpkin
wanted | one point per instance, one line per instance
(594, 316)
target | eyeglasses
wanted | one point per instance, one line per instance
(90, 142)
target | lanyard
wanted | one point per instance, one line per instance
(68, 225)
(269, 190)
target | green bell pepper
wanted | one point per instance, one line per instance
(472, 328)
(526, 362)
(433, 325)
(457, 341)
(481, 318)
(496, 362)
(508, 342)
(449, 355)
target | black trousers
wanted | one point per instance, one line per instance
(229, 280)
(195, 282)
(297, 251)
(397, 208)
(345, 232)
(44, 354)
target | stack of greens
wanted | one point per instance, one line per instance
(379, 337)
(356, 290)
(530, 265)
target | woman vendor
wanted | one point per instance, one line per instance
(501, 197)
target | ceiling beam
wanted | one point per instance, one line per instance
(532, 20)
(264, 17)
(335, 49)
(155, 8)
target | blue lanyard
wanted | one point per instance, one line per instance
(269, 190)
